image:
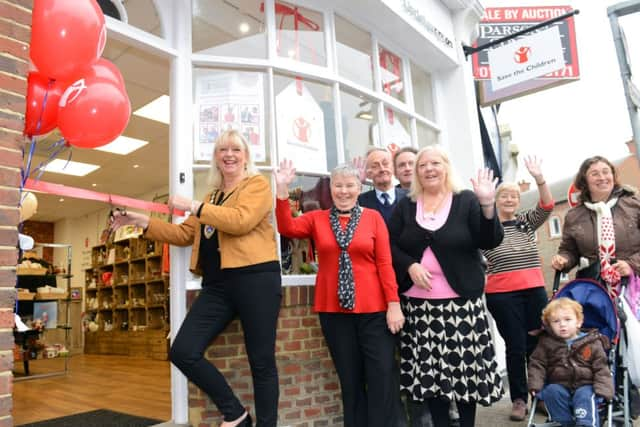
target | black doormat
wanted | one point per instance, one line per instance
(97, 418)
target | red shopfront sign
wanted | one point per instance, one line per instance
(499, 22)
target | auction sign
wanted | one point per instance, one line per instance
(499, 22)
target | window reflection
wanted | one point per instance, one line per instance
(300, 33)
(422, 92)
(360, 130)
(391, 74)
(229, 28)
(353, 48)
(426, 135)
(307, 193)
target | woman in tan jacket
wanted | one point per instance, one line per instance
(234, 250)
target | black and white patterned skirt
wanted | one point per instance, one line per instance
(446, 351)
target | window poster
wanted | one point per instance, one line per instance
(300, 129)
(229, 100)
(395, 135)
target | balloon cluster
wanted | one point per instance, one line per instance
(73, 88)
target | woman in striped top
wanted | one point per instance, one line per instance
(515, 289)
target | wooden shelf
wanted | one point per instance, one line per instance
(137, 301)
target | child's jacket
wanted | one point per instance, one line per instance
(584, 362)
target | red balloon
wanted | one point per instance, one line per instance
(93, 112)
(66, 36)
(38, 86)
(106, 70)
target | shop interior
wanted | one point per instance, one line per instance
(63, 349)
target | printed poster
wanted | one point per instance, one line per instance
(233, 100)
(395, 136)
(300, 129)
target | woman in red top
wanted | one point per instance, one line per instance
(356, 294)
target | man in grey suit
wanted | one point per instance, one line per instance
(384, 196)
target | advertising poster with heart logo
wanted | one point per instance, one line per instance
(395, 136)
(300, 129)
(229, 101)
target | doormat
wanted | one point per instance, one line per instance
(97, 418)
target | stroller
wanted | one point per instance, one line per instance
(607, 315)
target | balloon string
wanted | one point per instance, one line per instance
(27, 171)
(44, 104)
(55, 149)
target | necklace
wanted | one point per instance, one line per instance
(210, 229)
(431, 214)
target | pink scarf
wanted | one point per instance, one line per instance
(606, 243)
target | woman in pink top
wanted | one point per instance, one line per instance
(436, 235)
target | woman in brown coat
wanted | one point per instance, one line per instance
(603, 231)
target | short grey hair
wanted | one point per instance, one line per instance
(345, 169)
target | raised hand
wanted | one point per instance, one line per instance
(485, 186)
(533, 164)
(286, 173)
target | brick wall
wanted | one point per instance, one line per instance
(15, 23)
(309, 387)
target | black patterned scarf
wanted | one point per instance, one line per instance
(346, 288)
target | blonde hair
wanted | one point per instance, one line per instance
(452, 182)
(234, 137)
(562, 303)
(508, 186)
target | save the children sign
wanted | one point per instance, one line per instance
(526, 58)
(499, 22)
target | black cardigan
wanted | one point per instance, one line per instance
(455, 245)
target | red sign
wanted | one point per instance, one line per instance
(499, 22)
(572, 196)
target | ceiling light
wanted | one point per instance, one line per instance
(364, 115)
(136, 166)
(61, 199)
(94, 185)
(158, 110)
(70, 167)
(244, 28)
(123, 145)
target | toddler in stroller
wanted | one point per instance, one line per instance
(569, 366)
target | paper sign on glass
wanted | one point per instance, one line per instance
(226, 101)
(300, 129)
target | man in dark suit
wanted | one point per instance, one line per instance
(384, 196)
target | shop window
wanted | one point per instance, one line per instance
(300, 34)
(391, 74)
(360, 129)
(140, 14)
(555, 228)
(305, 124)
(229, 28)
(224, 100)
(353, 48)
(426, 135)
(306, 193)
(396, 132)
(422, 92)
